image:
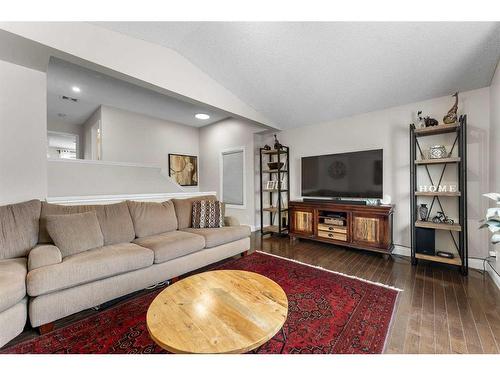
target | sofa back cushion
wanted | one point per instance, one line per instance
(75, 233)
(151, 218)
(114, 219)
(184, 209)
(19, 225)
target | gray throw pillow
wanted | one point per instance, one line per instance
(75, 233)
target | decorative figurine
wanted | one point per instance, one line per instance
(430, 121)
(277, 144)
(267, 147)
(420, 120)
(451, 116)
(422, 211)
(441, 218)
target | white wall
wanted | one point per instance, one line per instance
(127, 138)
(495, 132)
(495, 144)
(224, 135)
(388, 129)
(23, 133)
(135, 138)
(126, 58)
(87, 134)
(82, 177)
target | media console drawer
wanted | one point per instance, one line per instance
(332, 235)
(332, 228)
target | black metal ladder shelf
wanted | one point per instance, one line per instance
(457, 231)
(278, 197)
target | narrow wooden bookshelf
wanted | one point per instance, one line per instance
(437, 193)
(455, 261)
(275, 209)
(438, 129)
(440, 226)
(437, 161)
(274, 171)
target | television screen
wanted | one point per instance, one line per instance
(347, 175)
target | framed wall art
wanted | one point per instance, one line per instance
(183, 169)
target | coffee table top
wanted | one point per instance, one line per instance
(222, 311)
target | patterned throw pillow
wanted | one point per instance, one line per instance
(208, 214)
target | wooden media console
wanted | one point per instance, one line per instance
(366, 227)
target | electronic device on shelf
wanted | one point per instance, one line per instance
(445, 254)
(332, 214)
(425, 241)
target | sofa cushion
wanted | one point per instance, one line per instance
(207, 214)
(171, 245)
(114, 219)
(19, 225)
(88, 266)
(12, 282)
(152, 218)
(75, 233)
(219, 236)
(184, 209)
(43, 255)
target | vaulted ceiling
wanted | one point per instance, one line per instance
(99, 89)
(302, 73)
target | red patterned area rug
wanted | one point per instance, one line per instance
(328, 313)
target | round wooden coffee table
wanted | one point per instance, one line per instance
(218, 312)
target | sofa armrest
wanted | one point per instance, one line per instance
(43, 255)
(231, 221)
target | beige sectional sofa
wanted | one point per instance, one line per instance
(144, 243)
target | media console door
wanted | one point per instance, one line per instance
(302, 221)
(368, 229)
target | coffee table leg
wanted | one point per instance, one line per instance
(284, 340)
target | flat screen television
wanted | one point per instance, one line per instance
(348, 175)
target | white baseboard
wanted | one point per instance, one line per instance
(494, 276)
(401, 250)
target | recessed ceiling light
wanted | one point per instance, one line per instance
(202, 116)
(76, 89)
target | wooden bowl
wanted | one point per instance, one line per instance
(275, 165)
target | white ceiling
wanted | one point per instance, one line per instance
(99, 89)
(304, 73)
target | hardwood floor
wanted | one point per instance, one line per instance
(439, 311)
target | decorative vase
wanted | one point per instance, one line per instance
(277, 144)
(423, 210)
(437, 152)
(451, 116)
